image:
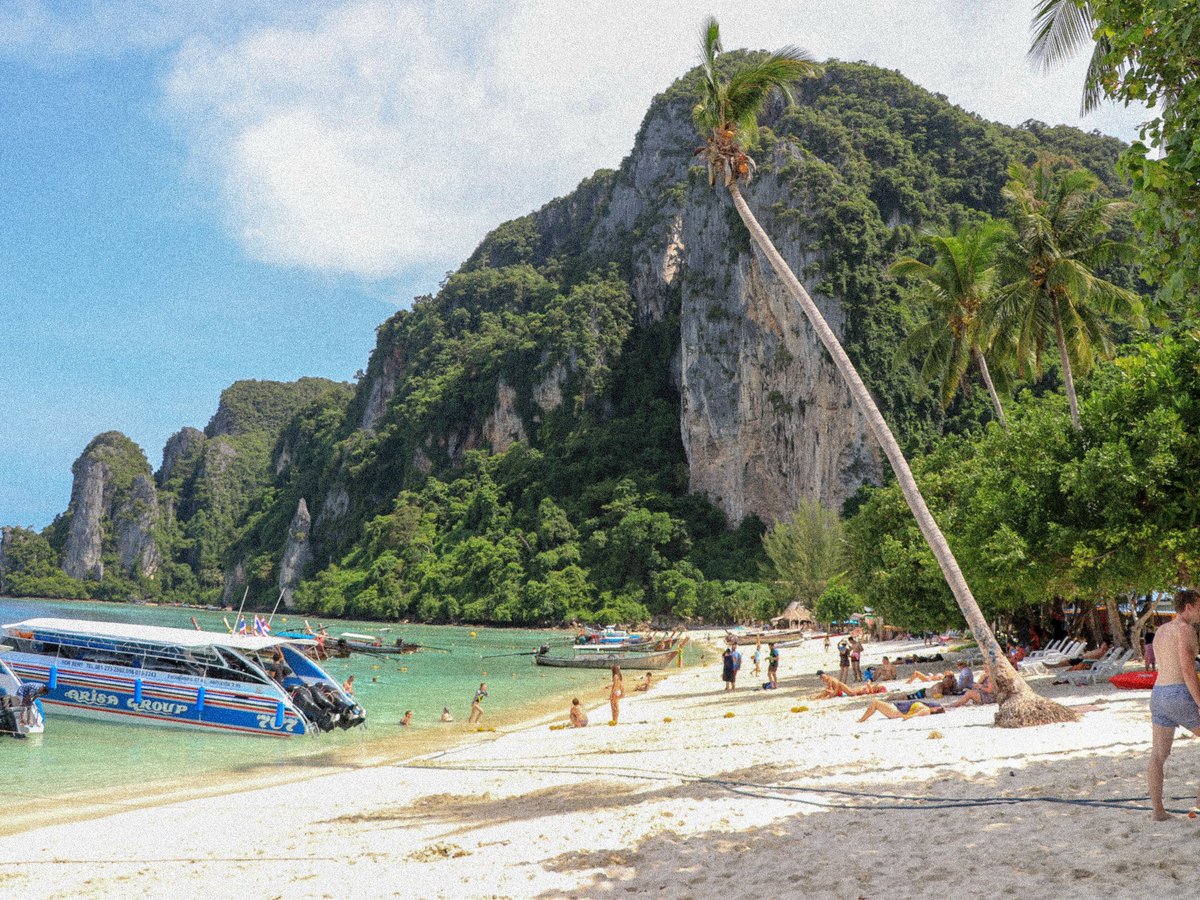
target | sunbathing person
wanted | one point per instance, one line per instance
(926, 676)
(885, 671)
(1082, 661)
(902, 709)
(982, 694)
(836, 688)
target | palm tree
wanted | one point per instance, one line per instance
(954, 291)
(727, 118)
(1051, 291)
(1060, 29)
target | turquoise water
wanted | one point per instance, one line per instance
(81, 764)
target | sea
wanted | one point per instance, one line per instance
(82, 767)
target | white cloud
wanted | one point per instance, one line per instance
(385, 137)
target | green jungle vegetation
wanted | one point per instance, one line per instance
(589, 519)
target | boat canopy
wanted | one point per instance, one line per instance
(152, 634)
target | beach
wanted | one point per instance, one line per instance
(695, 793)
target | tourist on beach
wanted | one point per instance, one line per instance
(902, 709)
(731, 661)
(348, 686)
(981, 694)
(856, 649)
(616, 690)
(773, 667)
(477, 705)
(644, 684)
(28, 694)
(578, 716)
(836, 688)
(965, 678)
(407, 720)
(843, 660)
(446, 716)
(1175, 697)
(757, 655)
(885, 671)
(8, 719)
(1148, 651)
(826, 643)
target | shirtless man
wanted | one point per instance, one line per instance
(1175, 698)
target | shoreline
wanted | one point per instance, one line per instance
(394, 747)
(696, 791)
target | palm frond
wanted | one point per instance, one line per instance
(1060, 28)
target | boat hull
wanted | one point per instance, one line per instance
(606, 661)
(121, 694)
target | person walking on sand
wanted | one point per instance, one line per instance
(1175, 697)
(757, 656)
(616, 691)
(477, 705)
(731, 661)
(843, 661)
(773, 667)
(856, 649)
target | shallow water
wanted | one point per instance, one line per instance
(80, 766)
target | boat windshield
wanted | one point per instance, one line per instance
(203, 662)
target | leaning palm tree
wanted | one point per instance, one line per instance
(727, 118)
(1050, 289)
(953, 291)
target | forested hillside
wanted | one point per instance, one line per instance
(598, 415)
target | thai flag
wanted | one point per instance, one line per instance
(241, 626)
(261, 628)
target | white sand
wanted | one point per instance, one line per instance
(706, 805)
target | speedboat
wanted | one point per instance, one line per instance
(13, 719)
(147, 674)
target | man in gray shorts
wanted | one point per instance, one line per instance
(1175, 699)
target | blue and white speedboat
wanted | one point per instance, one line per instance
(15, 716)
(171, 676)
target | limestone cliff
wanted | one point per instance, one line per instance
(113, 508)
(297, 554)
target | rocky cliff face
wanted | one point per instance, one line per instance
(113, 507)
(764, 416)
(297, 554)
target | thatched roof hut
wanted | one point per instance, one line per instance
(794, 616)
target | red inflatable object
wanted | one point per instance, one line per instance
(1134, 681)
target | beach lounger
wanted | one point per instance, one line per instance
(1052, 647)
(1101, 670)
(1039, 666)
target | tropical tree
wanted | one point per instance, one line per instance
(1051, 291)
(727, 118)
(1143, 53)
(807, 552)
(953, 291)
(1061, 28)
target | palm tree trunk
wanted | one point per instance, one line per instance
(1019, 705)
(1068, 378)
(991, 388)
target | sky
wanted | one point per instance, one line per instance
(194, 192)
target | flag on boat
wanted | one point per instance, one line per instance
(241, 626)
(261, 628)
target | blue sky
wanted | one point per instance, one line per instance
(192, 194)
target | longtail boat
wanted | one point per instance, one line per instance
(658, 660)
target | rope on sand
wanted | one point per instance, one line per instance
(811, 794)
